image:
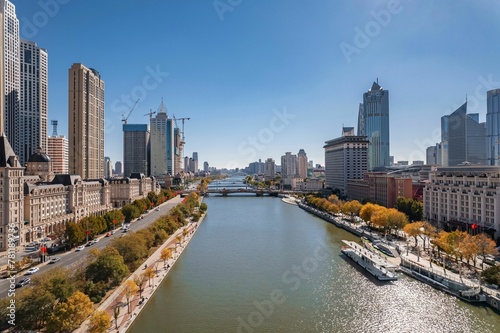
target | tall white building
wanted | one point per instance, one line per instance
(9, 70)
(33, 101)
(493, 127)
(108, 167)
(162, 143)
(86, 122)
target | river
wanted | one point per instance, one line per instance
(257, 264)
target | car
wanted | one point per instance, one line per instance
(125, 230)
(80, 248)
(95, 240)
(54, 260)
(32, 270)
(23, 282)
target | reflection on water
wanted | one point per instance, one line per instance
(260, 265)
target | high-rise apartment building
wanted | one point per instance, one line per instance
(187, 167)
(289, 165)
(108, 167)
(345, 158)
(194, 166)
(493, 127)
(86, 122)
(302, 164)
(375, 126)
(463, 138)
(162, 143)
(135, 149)
(9, 71)
(33, 101)
(270, 169)
(57, 149)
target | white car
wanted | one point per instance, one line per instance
(80, 248)
(32, 270)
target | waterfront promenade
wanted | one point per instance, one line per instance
(117, 298)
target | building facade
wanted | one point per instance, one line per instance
(33, 101)
(345, 158)
(493, 127)
(136, 147)
(126, 190)
(463, 196)
(162, 143)
(289, 169)
(86, 122)
(108, 167)
(463, 138)
(57, 149)
(302, 164)
(376, 126)
(270, 167)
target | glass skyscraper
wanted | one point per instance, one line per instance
(493, 127)
(375, 121)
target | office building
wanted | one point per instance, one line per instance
(86, 122)
(108, 168)
(463, 138)
(361, 120)
(194, 166)
(302, 164)
(187, 167)
(9, 71)
(33, 101)
(289, 169)
(135, 149)
(162, 143)
(57, 149)
(493, 127)
(374, 122)
(118, 168)
(270, 166)
(206, 167)
(345, 158)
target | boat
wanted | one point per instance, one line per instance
(385, 248)
(289, 200)
(370, 261)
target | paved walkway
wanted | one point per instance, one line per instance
(118, 299)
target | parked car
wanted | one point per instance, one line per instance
(23, 282)
(54, 260)
(32, 270)
(80, 248)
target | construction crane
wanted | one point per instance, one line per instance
(150, 114)
(182, 142)
(124, 119)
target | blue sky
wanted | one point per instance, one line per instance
(260, 78)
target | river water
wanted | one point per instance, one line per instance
(257, 264)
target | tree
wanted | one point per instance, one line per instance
(367, 210)
(99, 322)
(109, 267)
(114, 218)
(67, 316)
(130, 212)
(414, 229)
(33, 308)
(352, 207)
(130, 289)
(149, 273)
(166, 254)
(379, 217)
(395, 219)
(139, 281)
(203, 207)
(413, 209)
(132, 248)
(485, 245)
(153, 197)
(75, 233)
(58, 281)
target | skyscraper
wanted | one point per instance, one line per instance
(9, 70)
(118, 168)
(194, 166)
(361, 120)
(302, 164)
(108, 167)
(33, 101)
(205, 166)
(270, 169)
(345, 158)
(86, 122)
(375, 126)
(57, 149)
(135, 149)
(463, 138)
(493, 127)
(162, 143)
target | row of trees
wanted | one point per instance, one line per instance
(60, 299)
(91, 226)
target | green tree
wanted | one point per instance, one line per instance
(75, 234)
(413, 209)
(114, 218)
(99, 322)
(153, 197)
(130, 212)
(132, 248)
(109, 267)
(58, 281)
(33, 308)
(67, 316)
(203, 207)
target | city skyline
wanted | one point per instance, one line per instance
(252, 88)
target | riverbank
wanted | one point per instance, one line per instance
(421, 268)
(117, 299)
